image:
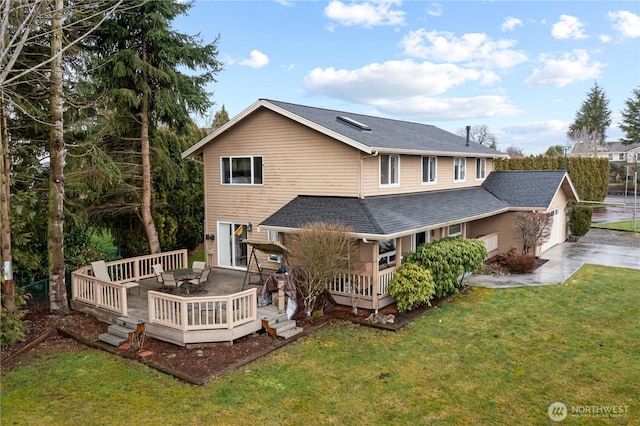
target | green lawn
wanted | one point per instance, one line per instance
(625, 225)
(490, 357)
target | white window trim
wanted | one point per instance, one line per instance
(231, 158)
(388, 185)
(414, 245)
(455, 234)
(484, 171)
(464, 169)
(273, 236)
(435, 172)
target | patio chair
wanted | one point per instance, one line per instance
(158, 269)
(100, 271)
(201, 282)
(199, 265)
(169, 280)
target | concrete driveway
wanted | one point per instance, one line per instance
(563, 260)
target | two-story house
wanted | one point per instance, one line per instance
(277, 166)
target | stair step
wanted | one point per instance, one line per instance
(283, 326)
(275, 319)
(119, 330)
(112, 339)
(129, 322)
(291, 332)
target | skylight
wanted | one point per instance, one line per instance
(354, 123)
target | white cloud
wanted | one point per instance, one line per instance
(568, 27)
(473, 49)
(510, 23)
(368, 14)
(533, 137)
(570, 68)
(435, 109)
(435, 10)
(605, 38)
(257, 60)
(627, 23)
(392, 79)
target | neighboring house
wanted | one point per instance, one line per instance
(615, 152)
(277, 166)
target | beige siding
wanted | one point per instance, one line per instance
(411, 175)
(296, 161)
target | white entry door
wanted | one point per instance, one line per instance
(232, 252)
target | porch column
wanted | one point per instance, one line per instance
(376, 276)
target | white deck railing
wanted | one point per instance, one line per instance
(112, 296)
(491, 243)
(353, 283)
(203, 312)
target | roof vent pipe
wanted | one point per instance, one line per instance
(468, 130)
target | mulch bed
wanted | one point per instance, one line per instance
(195, 365)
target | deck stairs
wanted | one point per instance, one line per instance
(119, 332)
(277, 324)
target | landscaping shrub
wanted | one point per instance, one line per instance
(411, 286)
(580, 220)
(519, 263)
(448, 260)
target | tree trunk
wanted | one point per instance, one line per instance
(8, 288)
(58, 303)
(147, 218)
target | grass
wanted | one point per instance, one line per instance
(625, 225)
(490, 357)
(198, 255)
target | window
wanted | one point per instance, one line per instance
(459, 169)
(241, 170)
(621, 156)
(419, 239)
(455, 230)
(389, 166)
(428, 169)
(273, 237)
(481, 168)
(387, 254)
(611, 157)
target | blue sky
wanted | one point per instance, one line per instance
(523, 68)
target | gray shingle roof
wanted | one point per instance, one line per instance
(525, 188)
(388, 215)
(387, 134)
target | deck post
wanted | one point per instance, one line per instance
(376, 275)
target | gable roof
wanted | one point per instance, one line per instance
(528, 189)
(610, 147)
(367, 133)
(388, 216)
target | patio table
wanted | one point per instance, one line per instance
(184, 275)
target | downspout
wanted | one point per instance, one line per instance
(375, 154)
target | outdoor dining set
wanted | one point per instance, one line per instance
(186, 280)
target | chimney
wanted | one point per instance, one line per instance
(468, 130)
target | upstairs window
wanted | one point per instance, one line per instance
(429, 169)
(459, 169)
(481, 168)
(621, 156)
(241, 170)
(389, 168)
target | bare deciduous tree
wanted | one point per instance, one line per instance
(481, 135)
(319, 252)
(533, 227)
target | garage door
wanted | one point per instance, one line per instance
(557, 230)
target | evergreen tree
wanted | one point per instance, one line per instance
(138, 61)
(630, 124)
(592, 120)
(221, 118)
